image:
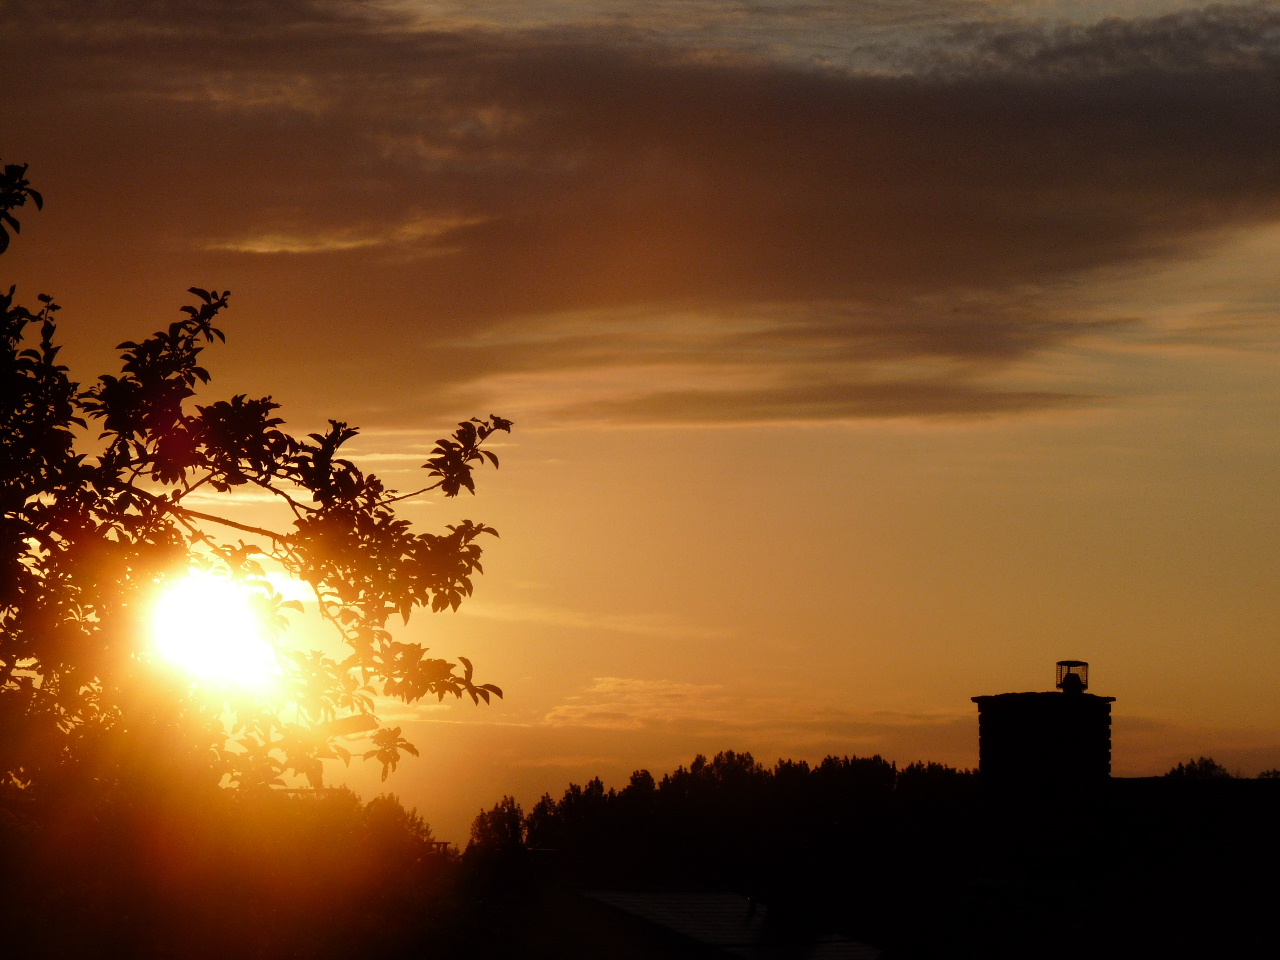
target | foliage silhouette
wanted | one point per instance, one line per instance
(1202, 768)
(730, 821)
(15, 191)
(499, 830)
(215, 873)
(92, 530)
(917, 860)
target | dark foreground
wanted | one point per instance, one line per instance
(724, 859)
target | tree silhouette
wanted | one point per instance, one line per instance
(96, 520)
(254, 875)
(1202, 768)
(499, 829)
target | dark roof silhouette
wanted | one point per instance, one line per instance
(731, 925)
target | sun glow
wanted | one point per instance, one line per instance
(206, 625)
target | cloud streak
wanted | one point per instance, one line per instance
(644, 625)
(710, 711)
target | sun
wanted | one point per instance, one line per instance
(205, 625)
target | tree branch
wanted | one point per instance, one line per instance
(164, 503)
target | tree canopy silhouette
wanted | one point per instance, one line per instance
(96, 521)
(499, 829)
(1202, 768)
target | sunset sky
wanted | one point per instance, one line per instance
(864, 355)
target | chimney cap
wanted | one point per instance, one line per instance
(1073, 676)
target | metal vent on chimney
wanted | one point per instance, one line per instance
(1073, 676)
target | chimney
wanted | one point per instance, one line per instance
(1052, 739)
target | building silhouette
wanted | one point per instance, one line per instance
(1053, 738)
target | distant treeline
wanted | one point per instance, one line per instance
(919, 860)
(732, 799)
(796, 836)
(739, 817)
(1207, 768)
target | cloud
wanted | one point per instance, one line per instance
(1216, 39)
(412, 232)
(711, 712)
(650, 625)
(200, 498)
(823, 401)
(628, 704)
(820, 361)
(790, 725)
(860, 33)
(769, 235)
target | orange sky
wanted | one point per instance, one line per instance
(864, 357)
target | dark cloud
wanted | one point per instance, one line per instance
(1216, 39)
(457, 198)
(821, 401)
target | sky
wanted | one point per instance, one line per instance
(864, 356)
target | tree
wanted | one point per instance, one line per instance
(498, 830)
(1202, 768)
(95, 522)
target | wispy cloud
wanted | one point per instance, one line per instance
(243, 496)
(789, 722)
(419, 233)
(617, 703)
(652, 624)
